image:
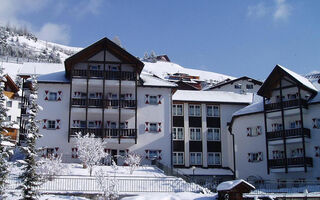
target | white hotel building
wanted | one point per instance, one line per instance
(279, 138)
(102, 91)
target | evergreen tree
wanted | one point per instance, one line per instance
(30, 178)
(4, 151)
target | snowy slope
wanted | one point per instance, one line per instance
(161, 69)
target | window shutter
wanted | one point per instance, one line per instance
(249, 157)
(58, 123)
(98, 124)
(108, 124)
(314, 123)
(259, 156)
(59, 96)
(146, 99)
(159, 154)
(248, 131)
(147, 152)
(56, 152)
(126, 124)
(44, 124)
(146, 128)
(159, 127)
(159, 99)
(46, 97)
(259, 130)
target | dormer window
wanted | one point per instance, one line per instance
(249, 86)
(237, 86)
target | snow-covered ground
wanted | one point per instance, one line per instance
(172, 196)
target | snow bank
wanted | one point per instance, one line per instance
(172, 196)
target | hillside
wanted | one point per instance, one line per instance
(19, 43)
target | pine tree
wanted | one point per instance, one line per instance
(4, 151)
(29, 178)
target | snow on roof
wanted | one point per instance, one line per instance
(151, 80)
(300, 78)
(201, 171)
(161, 69)
(7, 143)
(253, 108)
(212, 96)
(228, 185)
(56, 77)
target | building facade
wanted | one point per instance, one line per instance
(103, 92)
(278, 138)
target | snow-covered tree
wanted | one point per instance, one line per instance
(4, 150)
(30, 179)
(90, 150)
(133, 160)
(50, 167)
(109, 186)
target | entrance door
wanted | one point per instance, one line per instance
(114, 155)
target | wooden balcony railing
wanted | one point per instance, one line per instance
(108, 75)
(104, 103)
(79, 102)
(289, 133)
(95, 102)
(285, 104)
(106, 133)
(291, 162)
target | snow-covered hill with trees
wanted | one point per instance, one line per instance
(19, 43)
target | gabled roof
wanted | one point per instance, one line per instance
(10, 83)
(277, 73)
(218, 85)
(102, 44)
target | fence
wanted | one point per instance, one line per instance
(286, 187)
(83, 184)
(18, 60)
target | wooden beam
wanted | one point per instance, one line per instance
(303, 139)
(283, 128)
(266, 132)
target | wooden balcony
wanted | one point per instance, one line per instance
(99, 103)
(107, 75)
(106, 133)
(291, 162)
(285, 104)
(79, 102)
(289, 133)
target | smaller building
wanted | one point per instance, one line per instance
(234, 189)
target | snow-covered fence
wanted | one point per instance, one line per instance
(285, 187)
(19, 60)
(126, 184)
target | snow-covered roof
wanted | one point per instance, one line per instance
(253, 108)
(40, 68)
(228, 185)
(152, 81)
(212, 96)
(56, 77)
(299, 78)
(201, 171)
(7, 143)
(161, 69)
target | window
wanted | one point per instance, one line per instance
(153, 127)
(53, 96)
(83, 124)
(122, 125)
(195, 158)
(113, 125)
(177, 110)
(249, 86)
(237, 86)
(91, 124)
(153, 100)
(195, 134)
(19, 105)
(9, 104)
(50, 152)
(254, 131)
(92, 95)
(153, 154)
(194, 110)
(214, 158)
(18, 119)
(213, 134)
(213, 111)
(9, 118)
(51, 124)
(292, 96)
(94, 67)
(177, 133)
(178, 158)
(255, 157)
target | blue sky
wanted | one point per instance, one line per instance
(236, 37)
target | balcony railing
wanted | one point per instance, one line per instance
(291, 162)
(108, 75)
(289, 133)
(104, 103)
(106, 133)
(285, 104)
